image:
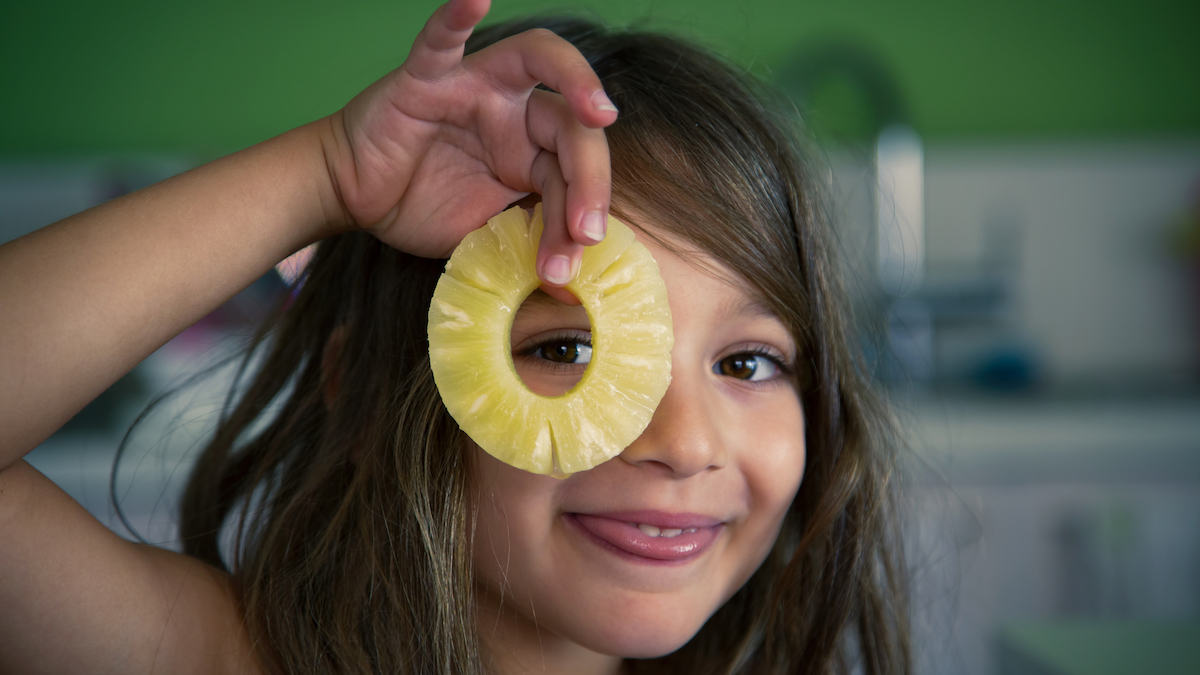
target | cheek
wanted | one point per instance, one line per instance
(774, 464)
(513, 511)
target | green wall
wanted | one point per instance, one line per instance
(212, 76)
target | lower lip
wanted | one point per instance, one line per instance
(622, 537)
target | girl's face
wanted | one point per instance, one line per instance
(632, 557)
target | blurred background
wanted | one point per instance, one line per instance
(1016, 190)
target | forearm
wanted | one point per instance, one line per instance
(84, 300)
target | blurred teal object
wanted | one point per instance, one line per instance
(1011, 368)
(1100, 648)
(113, 409)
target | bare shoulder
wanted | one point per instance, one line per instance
(198, 617)
(79, 599)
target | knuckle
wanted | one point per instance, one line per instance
(565, 52)
(539, 40)
(542, 35)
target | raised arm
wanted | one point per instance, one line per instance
(419, 159)
(86, 299)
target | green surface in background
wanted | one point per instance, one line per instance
(209, 77)
(1108, 647)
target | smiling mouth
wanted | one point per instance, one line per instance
(625, 535)
(669, 532)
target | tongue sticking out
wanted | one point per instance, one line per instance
(648, 541)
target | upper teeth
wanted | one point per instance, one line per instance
(662, 532)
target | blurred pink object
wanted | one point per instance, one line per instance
(292, 267)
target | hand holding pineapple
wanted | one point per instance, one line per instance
(420, 158)
(434, 149)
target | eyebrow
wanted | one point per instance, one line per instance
(744, 306)
(749, 307)
(539, 303)
(539, 298)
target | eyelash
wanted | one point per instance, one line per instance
(579, 338)
(782, 369)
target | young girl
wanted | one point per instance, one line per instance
(339, 521)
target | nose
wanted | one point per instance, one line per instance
(683, 437)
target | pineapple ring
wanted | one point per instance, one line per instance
(470, 323)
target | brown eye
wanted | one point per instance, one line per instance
(751, 367)
(565, 351)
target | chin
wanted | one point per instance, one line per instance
(645, 639)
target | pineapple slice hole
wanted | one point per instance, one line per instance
(489, 277)
(551, 344)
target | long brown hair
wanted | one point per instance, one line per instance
(347, 518)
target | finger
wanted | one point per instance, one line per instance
(558, 254)
(538, 56)
(439, 46)
(560, 294)
(583, 162)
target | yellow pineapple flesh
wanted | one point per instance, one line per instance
(470, 321)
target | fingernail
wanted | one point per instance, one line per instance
(593, 225)
(601, 101)
(557, 269)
